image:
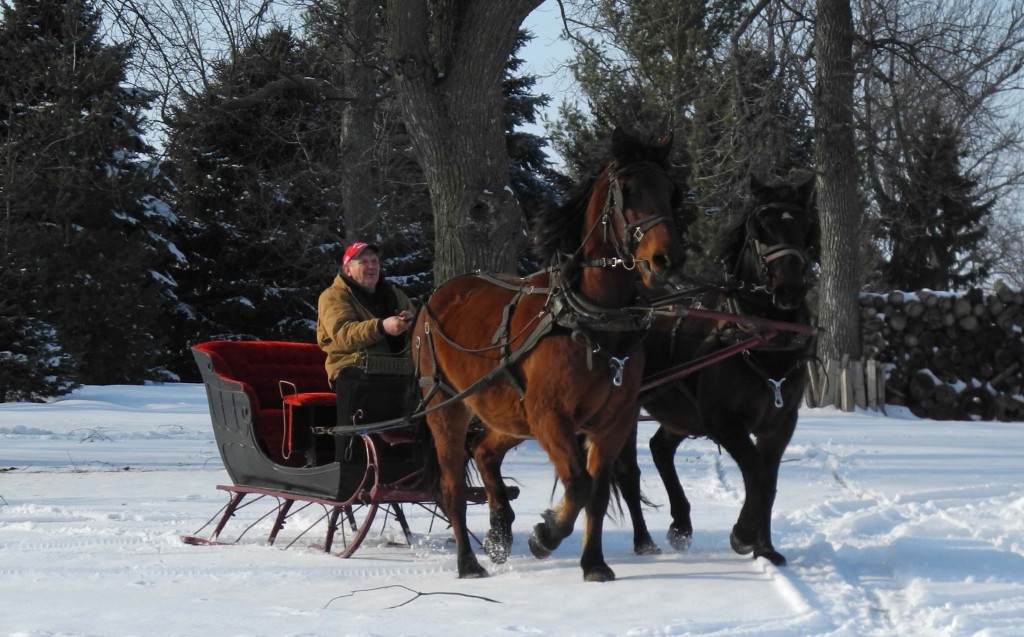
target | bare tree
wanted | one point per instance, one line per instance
(349, 32)
(1005, 245)
(961, 59)
(176, 43)
(838, 204)
(447, 60)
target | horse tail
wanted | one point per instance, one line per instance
(625, 484)
(430, 466)
(619, 474)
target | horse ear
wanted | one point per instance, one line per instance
(664, 147)
(758, 189)
(622, 143)
(805, 186)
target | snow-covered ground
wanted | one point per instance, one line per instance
(892, 526)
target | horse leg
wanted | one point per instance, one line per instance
(663, 445)
(605, 446)
(595, 569)
(627, 478)
(448, 428)
(771, 449)
(570, 465)
(748, 533)
(489, 451)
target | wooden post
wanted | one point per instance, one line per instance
(875, 385)
(845, 385)
(830, 390)
(855, 372)
(812, 393)
(871, 375)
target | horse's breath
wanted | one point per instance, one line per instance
(554, 355)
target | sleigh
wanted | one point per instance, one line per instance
(273, 411)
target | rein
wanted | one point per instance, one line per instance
(751, 333)
(565, 307)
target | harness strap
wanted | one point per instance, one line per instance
(584, 338)
(501, 333)
(517, 283)
(793, 343)
(775, 384)
(770, 253)
(544, 326)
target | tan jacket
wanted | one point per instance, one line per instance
(345, 328)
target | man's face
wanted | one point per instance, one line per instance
(364, 269)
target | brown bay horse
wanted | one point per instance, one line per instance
(767, 255)
(552, 356)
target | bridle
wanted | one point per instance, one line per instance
(625, 235)
(764, 253)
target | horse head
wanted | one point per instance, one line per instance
(640, 205)
(781, 241)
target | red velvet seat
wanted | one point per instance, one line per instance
(268, 371)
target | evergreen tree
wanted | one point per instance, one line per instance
(671, 66)
(81, 225)
(257, 191)
(534, 181)
(258, 174)
(33, 365)
(933, 224)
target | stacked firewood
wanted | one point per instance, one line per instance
(949, 356)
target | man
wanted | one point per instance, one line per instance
(361, 312)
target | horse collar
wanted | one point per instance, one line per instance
(573, 311)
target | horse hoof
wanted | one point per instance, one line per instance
(471, 569)
(679, 540)
(600, 573)
(539, 550)
(646, 547)
(472, 573)
(773, 556)
(498, 546)
(740, 546)
(541, 544)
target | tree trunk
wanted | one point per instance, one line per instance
(838, 204)
(448, 64)
(357, 124)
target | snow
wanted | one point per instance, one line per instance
(892, 526)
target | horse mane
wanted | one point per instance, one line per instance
(730, 244)
(558, 227)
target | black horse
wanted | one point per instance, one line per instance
(768, 256)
